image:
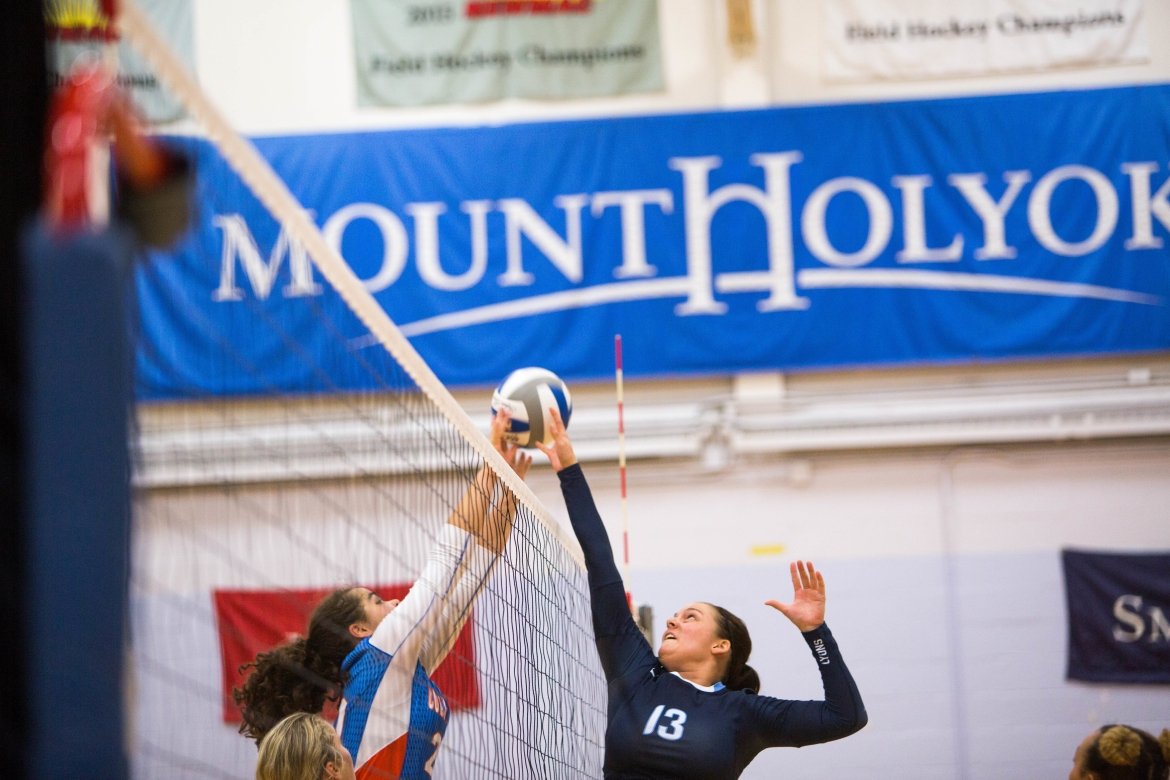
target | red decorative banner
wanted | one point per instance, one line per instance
(477, 8)
(254, 621)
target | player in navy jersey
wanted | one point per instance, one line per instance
(692, 711)
(379, 655)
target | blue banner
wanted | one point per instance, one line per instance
(1118, 616)
(967, 229)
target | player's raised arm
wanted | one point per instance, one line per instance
(488, 508)
(807, 608)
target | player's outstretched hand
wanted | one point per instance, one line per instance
(807, 608)
(519, 460)
(560, 451)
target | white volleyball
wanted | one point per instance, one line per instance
(528, 393)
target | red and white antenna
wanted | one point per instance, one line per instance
(643, 615)
(617, 362)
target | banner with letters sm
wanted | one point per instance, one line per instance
(967, 229)
(1118, 616)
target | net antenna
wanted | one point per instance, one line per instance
(617, 373)
(644, 613)
(247, 508)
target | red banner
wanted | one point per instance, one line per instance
(478, 8)
(253, 621)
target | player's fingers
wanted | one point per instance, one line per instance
(558, 425)
(522, 464)
(795, 576)
(550, 452)
(805, 581)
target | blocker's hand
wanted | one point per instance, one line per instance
(519, 460)
(560, 451)
(807, 608)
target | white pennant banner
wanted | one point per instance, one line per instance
(871, 40)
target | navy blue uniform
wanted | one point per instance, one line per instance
(660, 725)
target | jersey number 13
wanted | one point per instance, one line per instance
(672, 729)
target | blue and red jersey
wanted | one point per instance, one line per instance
(393, 716)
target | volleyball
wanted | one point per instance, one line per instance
(528, 393)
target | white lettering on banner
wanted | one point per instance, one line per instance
(914, 248)
(1040, 210)
(1145, 206)
(521, 220)
(991, 212)
(1128, 612)
(394, 241)
(238, 243)
(426, 244)
(632, 208)
(816, 237)
(637, 277)
(700, 207)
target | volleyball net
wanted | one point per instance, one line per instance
(291, 441)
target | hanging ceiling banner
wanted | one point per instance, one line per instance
(410, 53)
(1118, 616)
(937, 231)
(76, 30)
(870, 40)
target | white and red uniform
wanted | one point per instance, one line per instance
(393, 716)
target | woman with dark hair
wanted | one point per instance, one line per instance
(692, 712)
(378, 656)
(1120, 752)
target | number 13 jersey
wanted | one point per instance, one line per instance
(664, 727)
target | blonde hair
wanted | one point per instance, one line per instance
(297, 748)
(1121, 751)
(1120, 746)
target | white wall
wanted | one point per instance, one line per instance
(945, 588)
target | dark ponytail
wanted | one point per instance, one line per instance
(300, 675)
(738, 675)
